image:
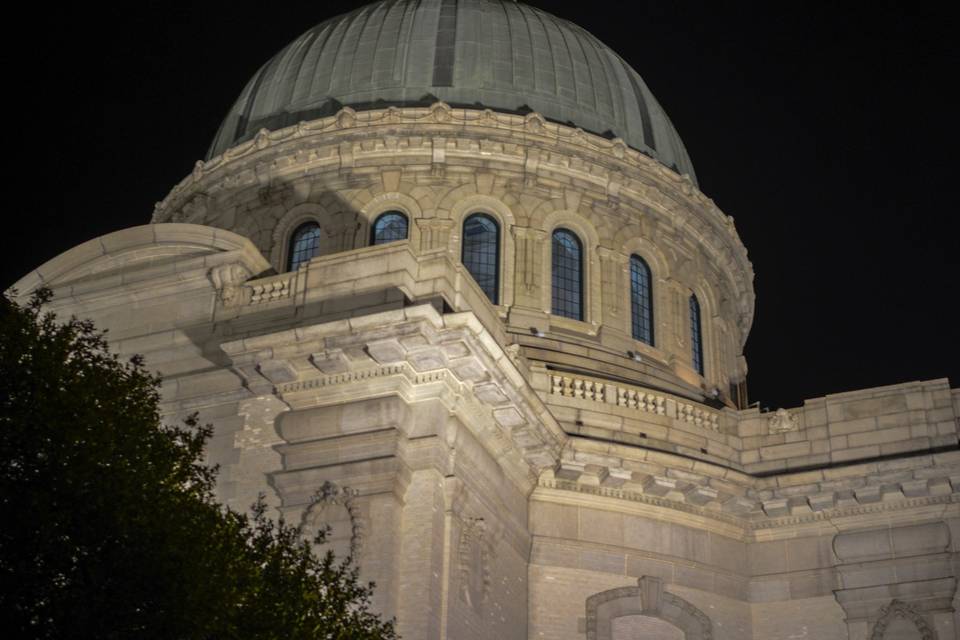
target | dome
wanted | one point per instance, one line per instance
(492, 54)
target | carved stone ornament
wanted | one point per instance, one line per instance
(440, 111)
(262, 139)
(346, 118)
(650, 599)
(228, 280)
(474, 563)
(195, 208)
(900, 609)
(534, 122)
(329, 495)
(783, 421)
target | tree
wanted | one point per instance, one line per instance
(110, 525)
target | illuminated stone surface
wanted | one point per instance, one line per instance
(496, 466)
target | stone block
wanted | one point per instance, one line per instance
(811, 585)
(700, 495)
(694, 577)
(878, 437)
(844, 427)
(843, 455)
(490, 393)
(508, 417)
(429, 359)
(277, 371)
(815, 417)
(767, 557)
(812, 552)
(604, 561)
(330, 362)
(769, 590)
(868, 494)
(601, 526)
(644, 534)
(903, 446)
(659, 486)
(386, 351)
(782, 451)
(739, 505)
(642, 566)
(554, 555)
(776, 507)
(822, 501)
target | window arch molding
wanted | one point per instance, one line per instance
(642, 306)
(478, 259)
(386, 227)
(287, 225)
(708, 311)
(565, 244)
(589, 240)
(648, 598)
(659, 273)
(384, 203)
(503, 216)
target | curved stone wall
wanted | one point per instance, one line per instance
(437, 165)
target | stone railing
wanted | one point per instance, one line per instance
(698, 416)
(271, 289)
(634, 398)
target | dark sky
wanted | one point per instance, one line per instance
(825, 129)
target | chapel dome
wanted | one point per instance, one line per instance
(493, 54)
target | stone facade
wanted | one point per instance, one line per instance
(500, 471)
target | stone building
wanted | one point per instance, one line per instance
(446, 282)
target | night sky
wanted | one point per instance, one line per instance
(825, 130)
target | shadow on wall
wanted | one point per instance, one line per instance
(270, 214)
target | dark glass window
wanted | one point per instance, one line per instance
(641, 300)
(567, 275)
(304, 244)
(696, 334)
(389, 227)
(481, 252)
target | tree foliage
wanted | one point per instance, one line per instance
(110, 528)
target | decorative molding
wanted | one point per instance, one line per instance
(634, 398)
(473, 555)
(751, 517)
(332, 494)
(626, 176)
(228, 280)
(650, 599)
(900, 609)
(783, 421)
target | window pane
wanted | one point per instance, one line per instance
(389, 227)
(641, 300)
(696, 335)
(481, 252)
(304, 244)
(567, 275)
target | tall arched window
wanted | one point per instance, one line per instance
(696, 334)
(304, 244)
(481, 252)
(389, 227)
(567, 275)
(641, 300)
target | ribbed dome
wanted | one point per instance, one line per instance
(469, 53)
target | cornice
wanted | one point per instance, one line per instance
(528, 145)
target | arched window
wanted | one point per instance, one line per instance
(641, 300)
(481, 252)
(696, 334)
(389, 227)
(304, 244)
(567, 275)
